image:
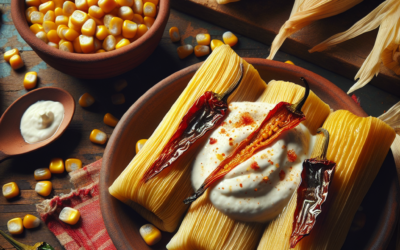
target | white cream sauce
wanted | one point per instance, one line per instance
(41, 120)
(259, 188)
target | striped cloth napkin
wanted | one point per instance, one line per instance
(90, 232)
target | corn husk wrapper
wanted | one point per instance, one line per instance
(387, 17)
(305, 12)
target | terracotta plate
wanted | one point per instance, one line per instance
(380, 204)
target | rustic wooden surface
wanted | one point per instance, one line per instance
(261, 20)
(75, 142)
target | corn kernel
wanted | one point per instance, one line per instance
(36, 17)
(122, 43)
(97, 44)
(149, 9)
(124, 2)
(15, 226)
(201, 50)
(142, 29)
(49, 16)
(129, 29)
(92, 2)
(82, 5)
(216, 43)
(110, 120)
(229, 38)
(49, 25)
(115, 27)
(89, 28)
(118, 99)
(8, 54)
(137, 7)
(101, 32)
(10, 190)
(16, 62)
(98, 136)
(149, 21)
(56, 166)
(70, 34)
(42, 174)
(51, 44)
(75, 27)
(58, 3)
(35, 28)
(203, 39)
(42, 36)
(96, 11)
(107, 5)
(35, 3)
(61, 42)
(73, 164)
(30, 221)
(107, 19)
(60, 30)
(120, 85)
(58, 11)
(62, 20)
(53, 37)
(174, 34)
(289, 62)
(77, 45)
(79, 17)
(44, 7)
(98, 21)
(150, 234)
(138, 19)
(87, 43)
(86, 100)
(30, 80)
(126, 13)
(69, 215)
(140, 144)
(101, 51)
(109, 43)
(185, 51)
(152, 1)
(28, 12)
(69, 8)
(44, 188)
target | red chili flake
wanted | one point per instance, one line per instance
(356, 99)
(254, 165)
(255, 189)
(282, 175)
(291, 155)
(223, 154)
(265, 179)
(245, 120)
(213, 140)
(271, 162)
(241, 185)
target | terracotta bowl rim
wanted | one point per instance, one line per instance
(21, 25)
(105, 198)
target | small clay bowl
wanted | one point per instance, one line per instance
(95, 65)
(139, 122)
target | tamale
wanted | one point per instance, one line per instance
(358, 146)
(205, 227)
(160, 199)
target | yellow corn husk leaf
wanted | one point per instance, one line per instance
(358, 146)
(305, 12)
(387, 16)
(204, 227)
(160, 200)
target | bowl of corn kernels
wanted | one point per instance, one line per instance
(91, 39)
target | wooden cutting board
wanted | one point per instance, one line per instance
(262, 19)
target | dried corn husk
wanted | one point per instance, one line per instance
(387, 16)
(305, 12)
(391, 58)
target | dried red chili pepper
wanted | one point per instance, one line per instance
(207, 112)
(316, 177)
(282, 117)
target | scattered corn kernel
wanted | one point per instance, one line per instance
(42, 36)
(201, 50)
(109, 43)
(8, 54)
(44, 188)
(129, 29)
(66, 46)
(126, 13)
(96, 11)
(149, 9)
(35, 3)
(69, 215)
(98, 136)
(142, 29)
(49, 16)
(16, 62)
(110, 120)
(44, 7)
(56, 166)
(107, 5)
(36, 17)
(29, 11)
(174, 34)
(118, 99)
(58, 11)
(122, 43)
(101, 32)
(10, 190)
(30, 221)
(229, 38)
(82, 5)
(120, 85)
(124, 2)
(216, 43)
(152, 1)
(78, 18)
(15, 226)
(86, 100)
(69, 8)
(62, 20)
(73, 164)
(42, 174)
(185, 51)
(30, 80)
(138, 19)
(54, 45)
(140, 144)
(289, 62)
(148, 21)
(203, 39)
(115, 26)
(150, 234)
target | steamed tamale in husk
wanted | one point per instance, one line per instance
(358, 146)
(205, 227)
(160, 199)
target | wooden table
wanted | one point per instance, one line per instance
(75, 141)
